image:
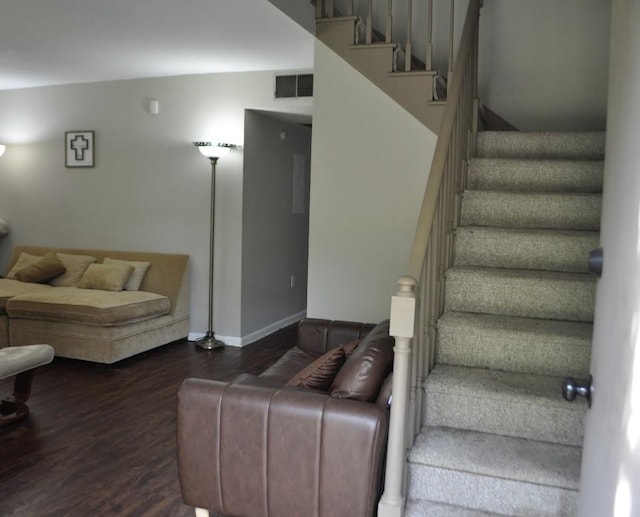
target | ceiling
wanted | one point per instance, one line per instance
(48, 42)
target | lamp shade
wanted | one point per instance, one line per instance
(213, 151)
(2, 149)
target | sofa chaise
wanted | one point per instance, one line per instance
(307, 437)
(83, 319)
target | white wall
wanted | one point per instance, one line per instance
(150, 188)
(274, 239)
(369, 166)
(543, 64)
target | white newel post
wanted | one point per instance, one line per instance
(403, 310)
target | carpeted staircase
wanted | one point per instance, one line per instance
(497, 437)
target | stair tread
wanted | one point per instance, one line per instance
(503, 457)
(555, 276)
(482, 383)
(421, 508)
(540, 175)
(588, 145)
(532, 232)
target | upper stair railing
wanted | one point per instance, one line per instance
(380, 12)
(419, 302)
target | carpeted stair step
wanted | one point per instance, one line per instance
(499, 474)
(542, 347)
(528, 294)
(541, 145)
(515, 248)
(535, 175)
(419, 508)
(531, 210)
(510, 404)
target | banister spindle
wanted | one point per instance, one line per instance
(331, 4)
(429, 54)
(407, 48)
(319, 5)
(388, 38)
(451, 16)
(369, 35)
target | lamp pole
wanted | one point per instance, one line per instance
(209, 340)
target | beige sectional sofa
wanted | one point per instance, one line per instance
(90, 323)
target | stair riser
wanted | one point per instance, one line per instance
(490, 494)
(535, 176)
(521, 250)
(524, 210)
(559, 299)
(567, 146)
(509, 418)
(511, 352)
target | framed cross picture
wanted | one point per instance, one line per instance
(79, 149)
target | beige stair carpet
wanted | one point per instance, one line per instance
(497, 437)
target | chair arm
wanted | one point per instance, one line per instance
(247, 451)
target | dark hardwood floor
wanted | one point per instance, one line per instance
(100, 440)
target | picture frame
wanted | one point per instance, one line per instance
(79, 149)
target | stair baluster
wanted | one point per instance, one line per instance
(429, 50)
(408, 49)
(388, 32)
(369, 36)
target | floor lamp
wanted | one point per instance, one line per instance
(213, 152)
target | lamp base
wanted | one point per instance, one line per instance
(209, 342)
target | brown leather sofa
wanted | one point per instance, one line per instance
(259, 447)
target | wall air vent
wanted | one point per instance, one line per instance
(292, 86)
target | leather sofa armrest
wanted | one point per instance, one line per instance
(317, 336)
(248, 450)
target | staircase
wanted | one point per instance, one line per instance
(497, 437)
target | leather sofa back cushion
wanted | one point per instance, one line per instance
(41, 270)
(321, 372)
(362, 375)
(317, 336)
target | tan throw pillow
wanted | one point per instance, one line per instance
(107, 277)
(24, 260)
(136, 278)
(42, 270)
(321, 372)
(76, 266)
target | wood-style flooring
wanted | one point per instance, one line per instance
(100, 440)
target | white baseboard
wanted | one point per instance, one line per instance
(254, 336)
(270, 329)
